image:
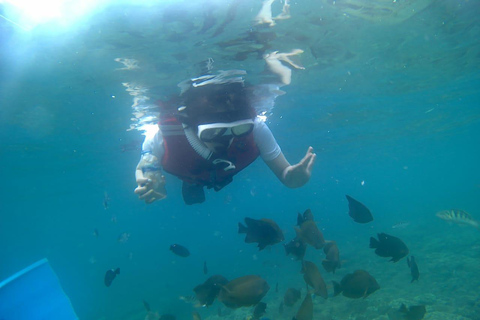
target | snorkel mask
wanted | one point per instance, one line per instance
(217, 106)
(212, 131)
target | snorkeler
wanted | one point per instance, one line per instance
(208, 135)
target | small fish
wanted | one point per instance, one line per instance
(412, 264)
(110, 275)
(179, 250)
(401, 225)
(332, 259)
(206, 292)
(308, 231)
(359, 284)
(205, 269)
(265, 232)
(413, 312)
(358, 211)
(260, 310)
(95, 233)
(106, 200)
(291, 296)
(307, 215)
(305, 312)
(389, 246)
(276, 288)
(313, 278)
(296, 247)
(122, 238)
(280, 308)
(459, 217)
(243, 292)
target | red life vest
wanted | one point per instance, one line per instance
(181, 160)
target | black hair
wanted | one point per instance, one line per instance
(216, 103)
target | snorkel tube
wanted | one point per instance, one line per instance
(203, 151)
(197, 145)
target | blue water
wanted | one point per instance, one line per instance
(390, 104)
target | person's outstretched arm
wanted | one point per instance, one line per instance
(150, 181)
(293, 176)
(148, 174)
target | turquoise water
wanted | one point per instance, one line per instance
(389, 97)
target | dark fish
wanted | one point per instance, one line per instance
(265, 232)
(389, 246)
(305, 312)
(260, 310)
(208, 291)
(167, 317)
(359, 284)
(95, 233)
(413, 312)
(332, 259)
(291, 296)
(179, 250)
(243, 292)
(296, 247)
(412, 264)
(309, 233)
(313, 278)
(196, 316)
(307, 215)
(146, 305)
(205, 270)
(110, 275)
(358, 211)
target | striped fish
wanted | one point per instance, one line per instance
(459, 217)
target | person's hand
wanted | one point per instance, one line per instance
(150, 190)
(297, 175)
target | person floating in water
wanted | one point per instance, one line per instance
(206, 136)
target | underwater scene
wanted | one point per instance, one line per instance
(241, 159)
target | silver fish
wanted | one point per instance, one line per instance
(401, 225)
(459, 217)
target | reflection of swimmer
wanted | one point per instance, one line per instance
(129, 64)
(274, 63)
(207, 135)
(285, 14)
(265, 14)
